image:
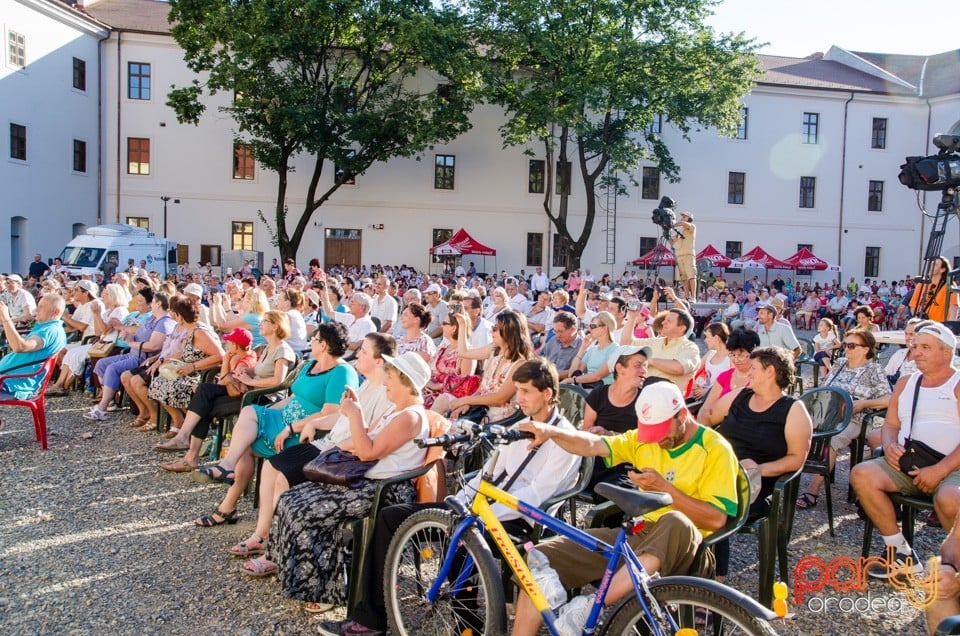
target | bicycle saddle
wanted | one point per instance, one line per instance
(634, 503)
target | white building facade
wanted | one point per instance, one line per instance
(815, 164)
(49, 147)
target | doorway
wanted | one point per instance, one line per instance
(341, 248)
(18, 241)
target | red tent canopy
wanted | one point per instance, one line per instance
(462, 243)
(716, 258)
(758, 258)
(656, 257)
(805, 259)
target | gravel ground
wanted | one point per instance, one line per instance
(95, 538)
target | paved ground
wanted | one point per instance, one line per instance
(94, 538)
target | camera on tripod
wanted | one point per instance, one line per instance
(665, 216)
(936, 172)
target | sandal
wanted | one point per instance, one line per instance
(210, 520)
(318, 608)
(137, 423)
(179, 466)
(218, 473)
(251, 547)
(259, 567)
(166, 447)
(149, 427)
(171, 433)
(807, 500)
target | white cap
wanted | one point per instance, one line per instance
(432, 288)
(194, 290)
(941, 333)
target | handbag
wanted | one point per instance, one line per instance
(337, 467)
(101, 349)
(917, 454)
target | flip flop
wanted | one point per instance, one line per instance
(318, 608)
(218, 473)
(259, 568)
(246, 549)
(179, 466)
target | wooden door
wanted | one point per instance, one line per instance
(342, 248)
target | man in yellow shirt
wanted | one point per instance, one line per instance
(672, 454)
(675, 357)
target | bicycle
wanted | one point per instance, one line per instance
(431, 589)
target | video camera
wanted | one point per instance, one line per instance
(665, 216)
(936, 172)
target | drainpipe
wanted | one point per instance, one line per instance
(843, 175)
(101, 52)
(119, 104)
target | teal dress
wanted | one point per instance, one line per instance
(253, 324)
(311, 392)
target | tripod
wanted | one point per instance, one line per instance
(928, 291)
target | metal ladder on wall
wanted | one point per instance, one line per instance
(611, 210)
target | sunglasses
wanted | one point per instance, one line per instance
(595, 326)
(853, 345)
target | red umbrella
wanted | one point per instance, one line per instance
(758, 258)
(716, 259)
(805, 259)
(656, 257)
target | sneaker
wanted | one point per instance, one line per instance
(95, 414)
(347, 628)
(897, 564)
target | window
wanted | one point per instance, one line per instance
(138, 80)
(650, 183)
(878, 138)
(647, 243)
(742, 126)
(871, 262)
(734, 250)
(811, 121)
(735, 182)
(138, 155)
(343, 175)
(243, 163)
(534, 249)
(210, 254)
(536, 175)
(561, 250)
(655, 126)
(875, 197)
(16, 49)
(808, 188)
(563, 177)
(241, 235)
(443, 172)
(79, 74)
(808, 246)
(79, 156)
(139, 221)
(18, 142)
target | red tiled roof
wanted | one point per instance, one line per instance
(144, 16)
(822, 74)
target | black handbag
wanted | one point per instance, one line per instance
(337, 467)
(917, 454)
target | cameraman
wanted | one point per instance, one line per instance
(685, 252)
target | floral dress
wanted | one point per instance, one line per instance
(446, 372)
(495, 373)
(178, 392)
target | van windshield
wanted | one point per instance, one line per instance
(81, 256)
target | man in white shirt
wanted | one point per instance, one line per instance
(481, 327)
(22, 304)
(518, 302)
(438, 308)
(384, 306)
(774, 333)
(357, 321)
(539, 281)
(540, 316)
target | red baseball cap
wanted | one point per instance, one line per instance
(656, 406)
(240, 337)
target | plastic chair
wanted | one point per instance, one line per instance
(805, 358)
(859, 443)
(773, 534)
(573, 403)
(830, 409)
(36, 402)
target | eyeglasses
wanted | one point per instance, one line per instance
(594, 326)
(854, 345)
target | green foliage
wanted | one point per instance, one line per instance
(351, 82)
(589, 78)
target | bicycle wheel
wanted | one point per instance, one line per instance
(693, 606)
(413, 562)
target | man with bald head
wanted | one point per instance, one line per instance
(27, 353)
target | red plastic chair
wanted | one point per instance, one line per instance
(36, 403)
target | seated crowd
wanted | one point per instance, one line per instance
(375, 360)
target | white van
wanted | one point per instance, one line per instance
(108, 248)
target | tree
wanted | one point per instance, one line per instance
(588, 80)
(341, 81)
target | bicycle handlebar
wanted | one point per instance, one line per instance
(493, 433)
